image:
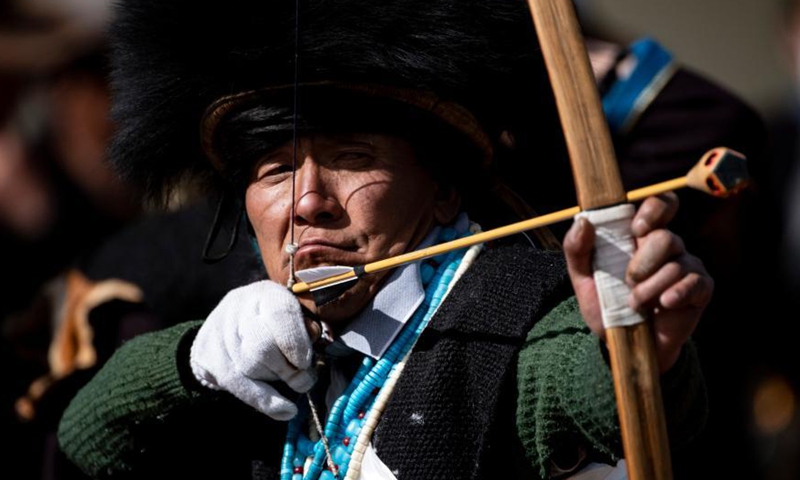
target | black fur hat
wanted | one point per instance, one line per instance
(180, 65)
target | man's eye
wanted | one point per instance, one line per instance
(354, 156)
(272, 170)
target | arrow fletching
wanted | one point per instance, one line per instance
(327, 293)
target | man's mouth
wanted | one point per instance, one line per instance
(314, 252)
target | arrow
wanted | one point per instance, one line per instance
(720, 172)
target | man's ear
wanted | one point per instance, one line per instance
(447, 204)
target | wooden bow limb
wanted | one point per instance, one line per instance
(598, 184)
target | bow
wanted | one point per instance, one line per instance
(598, 185)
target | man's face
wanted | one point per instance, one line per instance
(358, 198)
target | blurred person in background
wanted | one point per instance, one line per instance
(774, 381)
(58, 198)
(86, 266)
(783, 172)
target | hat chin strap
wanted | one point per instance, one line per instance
(213, 233)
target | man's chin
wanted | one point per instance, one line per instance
(340, 311)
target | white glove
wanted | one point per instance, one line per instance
(255, 335)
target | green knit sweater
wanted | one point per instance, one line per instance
(565, 405)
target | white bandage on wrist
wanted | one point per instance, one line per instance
(614, 247)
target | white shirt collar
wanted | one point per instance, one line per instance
(374, 329)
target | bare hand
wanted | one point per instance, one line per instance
(668, 284)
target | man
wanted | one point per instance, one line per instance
(349, 133)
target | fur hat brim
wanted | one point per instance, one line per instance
(174, 58)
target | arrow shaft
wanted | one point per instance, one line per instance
(482, 237)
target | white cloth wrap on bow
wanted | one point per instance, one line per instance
(614, 247)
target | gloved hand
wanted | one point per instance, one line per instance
(255, 335)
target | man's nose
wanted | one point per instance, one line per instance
(316, 197)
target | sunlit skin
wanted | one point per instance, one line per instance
(359, 198)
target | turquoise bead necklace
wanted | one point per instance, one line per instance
(305, 459)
